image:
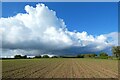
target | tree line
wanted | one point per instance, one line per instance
(101, 55)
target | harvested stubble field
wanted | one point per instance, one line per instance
(60, 68)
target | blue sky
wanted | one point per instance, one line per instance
(38, 30)
(94, 17)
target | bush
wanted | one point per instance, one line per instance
(93, 55)
(20, 57)
(45, 56)
(103, 55)
(110, 57)
(17, 56)
(86, 55)
(54, 56)
(80, 56)
(24, 57)
(38, 56)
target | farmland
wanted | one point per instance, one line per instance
(60, 68)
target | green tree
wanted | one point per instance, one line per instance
(87, 55)
(24, 57)
(116, 51)
(54, 56)
(80, 56)
(103, 55)
(45, 56)
(17, 56)
(93, 55)
(20, 57)
(38, 56)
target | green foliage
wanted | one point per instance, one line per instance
(54, 56)
(17, 56)
(80, 56)
(116, 51)
(20, 57)
(103, 55)
(90, 55)
(110, 57)
(38, 56)
(45, 56)
(93, 55)
(24, 57)
(87, 55)
(67, 56)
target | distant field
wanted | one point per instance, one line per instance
(60, 68)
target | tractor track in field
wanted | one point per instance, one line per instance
(37, 69)
(21, 71)
(52, 73)
(14, 69)
(103, 71)
(99, 70)
(44, 74)
(83, 70)
(56, 73)
(60, 68)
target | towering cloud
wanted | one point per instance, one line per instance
(40, 31)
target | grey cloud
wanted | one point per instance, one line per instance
(40, 31)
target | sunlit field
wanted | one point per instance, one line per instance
(60, 68)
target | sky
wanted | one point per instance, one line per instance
(80, 16)
(58, 28)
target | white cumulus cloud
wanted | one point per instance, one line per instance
(39, 31)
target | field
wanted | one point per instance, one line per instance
(60, 68)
